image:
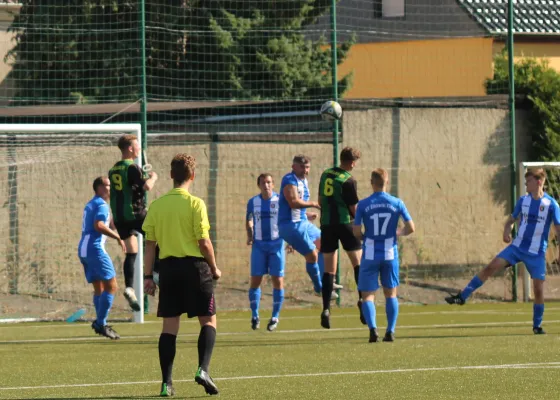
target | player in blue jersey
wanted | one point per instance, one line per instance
(380, 214)
(267, 251)
(98, 267)
(536, 211)
(294, 224)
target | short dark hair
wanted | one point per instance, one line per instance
(348, 154)
(182, 167)
(379, 177)
(537, 173)
(98, 182)
(125, 141)
(263, 176)
(301, 159)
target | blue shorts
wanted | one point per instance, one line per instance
(536, 264)
(98, 266)
(300, 235)
(268, 257)
(370, 270)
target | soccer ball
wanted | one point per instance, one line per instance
(331, 111)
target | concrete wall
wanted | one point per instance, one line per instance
(450, 166)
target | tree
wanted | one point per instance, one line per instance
(88, 51)
(540, 84)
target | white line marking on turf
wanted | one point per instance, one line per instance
(225, 319)
(543, 365)
(277, 332)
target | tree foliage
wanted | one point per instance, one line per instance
(89, 51)
(540, 84)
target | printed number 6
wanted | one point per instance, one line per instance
(328, 189)
(117, 181)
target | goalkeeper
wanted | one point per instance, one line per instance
(129, 184)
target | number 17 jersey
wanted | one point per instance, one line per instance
(380, 214)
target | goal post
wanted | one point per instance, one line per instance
(46, 172)
(523, 166)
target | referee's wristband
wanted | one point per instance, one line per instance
(148, 277)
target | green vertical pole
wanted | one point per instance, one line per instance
(144, 92)
(143, 103)
(511, 101)
(334, 63)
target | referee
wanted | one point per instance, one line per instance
(178, 223)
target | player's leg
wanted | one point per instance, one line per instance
(536, 265)
(258, 269)
(97, 290)
(206, 313)
(329, 251)
(277, 262)
(110, 288)
(368, 285)
(508, 256)
(127, 234)
(206, 341)
(167, 347)
(390, 282)
(353, 249)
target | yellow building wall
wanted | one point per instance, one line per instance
(550, 51)
(426, 68)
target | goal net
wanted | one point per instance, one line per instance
(46, 175)
(552, 187)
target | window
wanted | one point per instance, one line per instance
(388, 8)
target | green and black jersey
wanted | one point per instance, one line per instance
(337, 191)
(127, 191)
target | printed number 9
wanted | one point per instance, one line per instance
(328, 189)
(117, 181)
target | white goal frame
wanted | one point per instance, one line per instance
(134, 129)
(527, 292)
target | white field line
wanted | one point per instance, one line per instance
(18, 324)
(544, 365)
(287, 331)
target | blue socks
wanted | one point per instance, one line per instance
(277, 299)
(313, 272)
(474, 284)
(392, 310)
(105, 303)
(368, 308)
(255, 300)
(96, 304)
(538, 311)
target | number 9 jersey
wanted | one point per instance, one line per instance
(127, 191)
(380, 213)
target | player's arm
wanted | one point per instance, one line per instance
(249, 229)
(508, 226)
(408, 227)
(291, 195)
(201, 227)
(99, 226)
(249, 222)
(135, 178)
(350, 195)
(357, 227)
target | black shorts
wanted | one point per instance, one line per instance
(331, 234)
(127, 229)
(185, 287)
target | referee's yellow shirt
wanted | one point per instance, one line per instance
(176, 221)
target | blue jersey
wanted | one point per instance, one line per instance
(287, 214)
(536, 218)
(264, 214)
(96, 209)
(380, 215)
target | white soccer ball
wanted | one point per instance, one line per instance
(331, 110)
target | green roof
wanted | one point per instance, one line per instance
(531, 17)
